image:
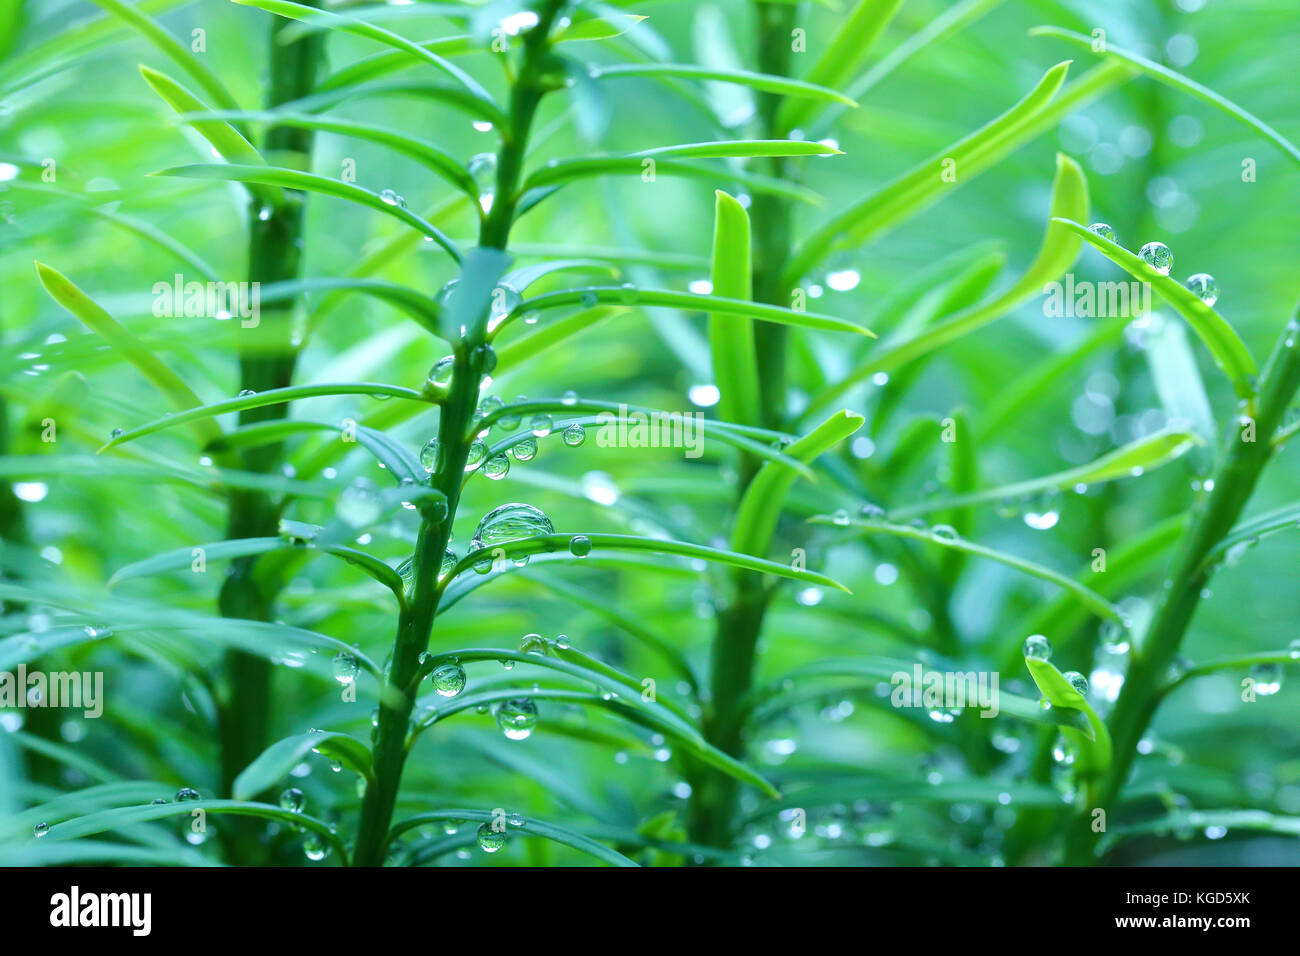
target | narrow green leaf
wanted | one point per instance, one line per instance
(338, 21)
(926, 183)
(763, 82)
(418, 306)
(132, 349)
(842, 57)
(1179, 82)
(731, 337)
(561, 171)
(1135, 458)
(225, 138)
(423, 152)
(716, 304)
(1178, 380)
(1094, 745)
(173, 49)
(1056, 254)
(761, 506)
(310, 182)
(1213, 329)
(553, 543)
(532, 827)
(1092, 599)
(274, 763)
(743, 148)
(272, 396)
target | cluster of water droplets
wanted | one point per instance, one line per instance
(1159, 257)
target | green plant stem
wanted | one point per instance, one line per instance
(1241, 463)
(732, 655)
(415, 624)
(274, 255)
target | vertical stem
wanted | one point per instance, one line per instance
(1242, 462)
(415, 624)
(274, 255)
(731, 669)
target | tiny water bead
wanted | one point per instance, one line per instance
(186, 794)
(944, 532)
(482, 168)
(1037, 648)
(1205, 287)
(40, 830)
(431, 456)
(392, 198)
(570, 397)
(517, 717)
(448, 679)
(574, 435)
(580, 546)
(440, 375)
(1268, 678)
(533, 644)
(477, 452)
(1104, 230)
(540, 425)
(314, 848)
(1043, 511)
(497, 467)
(360, 503)
(525, 449)
(293, 800)
(490, 840)
(346, 667)
(510, 522)
(1157, 256)
(1077, 681)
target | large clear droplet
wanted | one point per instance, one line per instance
(1157, 256)
(497, 467)
(439, 377)
(1268, 679)
(346, 667)
(1037, 648)
(431, 456)
(574, 435)
(490, 840)
(517, 717)
(293, 800)
(448, 679)
(1205, 287)
(511, 522)
(1104, 230)
(525, 449)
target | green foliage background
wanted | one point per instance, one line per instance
(879, 786)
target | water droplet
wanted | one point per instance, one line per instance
(246, 392)
(510, 522)
(944, 532)
(574, 435)
(346, 667)
(540, 425)
(1157, 256)
(485, 356)
(1206, 289)
(431, 456)
(392, 198)
(1037, 648)
(1294, 649)
(40, 830)
(1268, 678)
(525, 449)
(580, 545)
(517, 717)
(490, 840)
(533, 644)
(293, 800)
(497, 467)
(117, 433)
(477, 452)
(448, 679)
(870, 512)
(1077, 681)
(569, 398)
(482, 169)
(439, 377)
(186, 794)
(1112, 637)
(360, 504)
(841, 518)
(449, 560)
(314, 848)
(1044, 511)
(1104, 230)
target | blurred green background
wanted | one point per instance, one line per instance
(1160, 165)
